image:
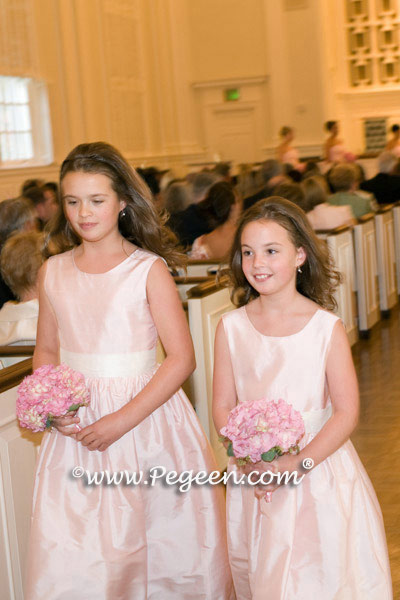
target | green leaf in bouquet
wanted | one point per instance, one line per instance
(279, 450)
(73, 407)
(48, 421)
(294, 449)
(269, 456)
(230, 449)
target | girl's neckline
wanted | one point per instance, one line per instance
(280, 337)
(103, 272)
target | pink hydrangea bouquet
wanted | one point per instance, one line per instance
(263, 429)
(50, 392)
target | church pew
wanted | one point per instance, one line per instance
(366, 273)
(10, 355)
(186, 282)
(18, 452)
(386, 261)
(203, 267)
(396, 224)
(340, 244)
(206, 304)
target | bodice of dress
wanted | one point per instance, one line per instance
(104, 321)
(291, 367)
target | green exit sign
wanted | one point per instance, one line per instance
(231, 95)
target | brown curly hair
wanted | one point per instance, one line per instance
(141, 224)
(318, 279)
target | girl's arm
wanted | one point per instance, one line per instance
(224, 391)
(170, 321)
(47, 347)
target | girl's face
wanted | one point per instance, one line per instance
(269, 258)
(91, 205)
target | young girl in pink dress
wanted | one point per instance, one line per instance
(105, 298)
(323, 539)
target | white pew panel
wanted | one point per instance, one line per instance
(340, 244)
(396, 224)
(366, 274)
(18, 453)
(386, 259)
(204, 315)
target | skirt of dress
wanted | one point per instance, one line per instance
(128, 542)
(322, 539)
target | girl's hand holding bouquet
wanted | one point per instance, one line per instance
(51, 396)
(261, 431)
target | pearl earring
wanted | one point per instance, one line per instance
(299, 269)
(122, 213)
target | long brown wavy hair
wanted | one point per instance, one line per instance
(318, 279)
(140, 223)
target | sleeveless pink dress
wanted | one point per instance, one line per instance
(122, 542)
(323, 539)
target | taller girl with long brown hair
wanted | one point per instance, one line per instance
(105, 297)
(322, 539)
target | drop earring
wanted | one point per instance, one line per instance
(299, 269)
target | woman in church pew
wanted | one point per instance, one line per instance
(20, 261)
(221, 209)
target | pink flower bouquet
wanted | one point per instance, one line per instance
(262, 430)
(50, 392)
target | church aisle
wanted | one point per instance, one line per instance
(377, 438)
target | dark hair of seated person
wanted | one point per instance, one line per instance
(291, 191)
(216, 206)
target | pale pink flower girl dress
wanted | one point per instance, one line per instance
(323, 539)
(122, 542)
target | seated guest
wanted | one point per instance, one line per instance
(384, 186)
(190, 223)
(20, 260)
(320, 213)
(31, 183)
(291, 191)
(223, 171)
(343, 179)
(393, 144)
(221, 209)
(16, 214)
(271, 173)
(176, 197)
(45, 202)
(311, 169)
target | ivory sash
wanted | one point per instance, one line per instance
(129, 364)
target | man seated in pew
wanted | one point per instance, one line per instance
(343, 180)
(270, 174)
(20, 260)
(385, 185)
(320, 213)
